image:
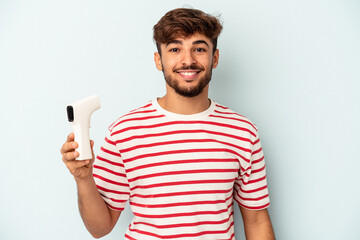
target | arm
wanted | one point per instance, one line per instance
(97, 217)
(257, 224)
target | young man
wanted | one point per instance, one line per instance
(180, 159)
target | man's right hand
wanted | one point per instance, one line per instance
(80, 169)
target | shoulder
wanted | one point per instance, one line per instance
(141, 113)
(227, 115)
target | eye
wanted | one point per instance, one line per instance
(200, 50)
(174, 50)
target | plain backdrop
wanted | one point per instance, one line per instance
(292, 67)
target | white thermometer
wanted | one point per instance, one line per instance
(79, 114)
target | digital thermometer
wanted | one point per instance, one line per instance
(79, 114)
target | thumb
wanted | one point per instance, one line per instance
(92, 150)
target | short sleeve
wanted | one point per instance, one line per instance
(250, 190)
(110, 176)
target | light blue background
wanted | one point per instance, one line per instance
(292, 67)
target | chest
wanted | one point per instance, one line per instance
(176, 160)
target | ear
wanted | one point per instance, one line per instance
(216, 58)
(157, 60)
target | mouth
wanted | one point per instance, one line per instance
(188, 74)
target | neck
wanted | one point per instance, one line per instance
(176, 103)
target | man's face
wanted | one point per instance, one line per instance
(187, 64)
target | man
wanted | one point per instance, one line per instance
(180, 159)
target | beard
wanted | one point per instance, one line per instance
(192, 91)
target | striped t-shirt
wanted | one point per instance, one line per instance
(181, 173)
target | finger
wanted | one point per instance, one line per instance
(69, 147)
(70, 156)
(70, 137)
(65, 147)
(79, 163)
(75, 165)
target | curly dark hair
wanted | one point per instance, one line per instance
(184, 22)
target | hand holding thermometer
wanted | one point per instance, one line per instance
(79, 114)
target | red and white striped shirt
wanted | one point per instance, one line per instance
(182, 172)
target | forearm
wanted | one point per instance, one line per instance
(93, 210)
(259, 231)
(257, 224)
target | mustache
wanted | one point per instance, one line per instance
(190, 67)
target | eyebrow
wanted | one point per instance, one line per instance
(200, 42)
(173, 42)
(180, 42)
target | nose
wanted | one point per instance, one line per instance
(188, 58)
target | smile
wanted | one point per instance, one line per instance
(188, 75)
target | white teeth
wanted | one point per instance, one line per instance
(188, 73)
